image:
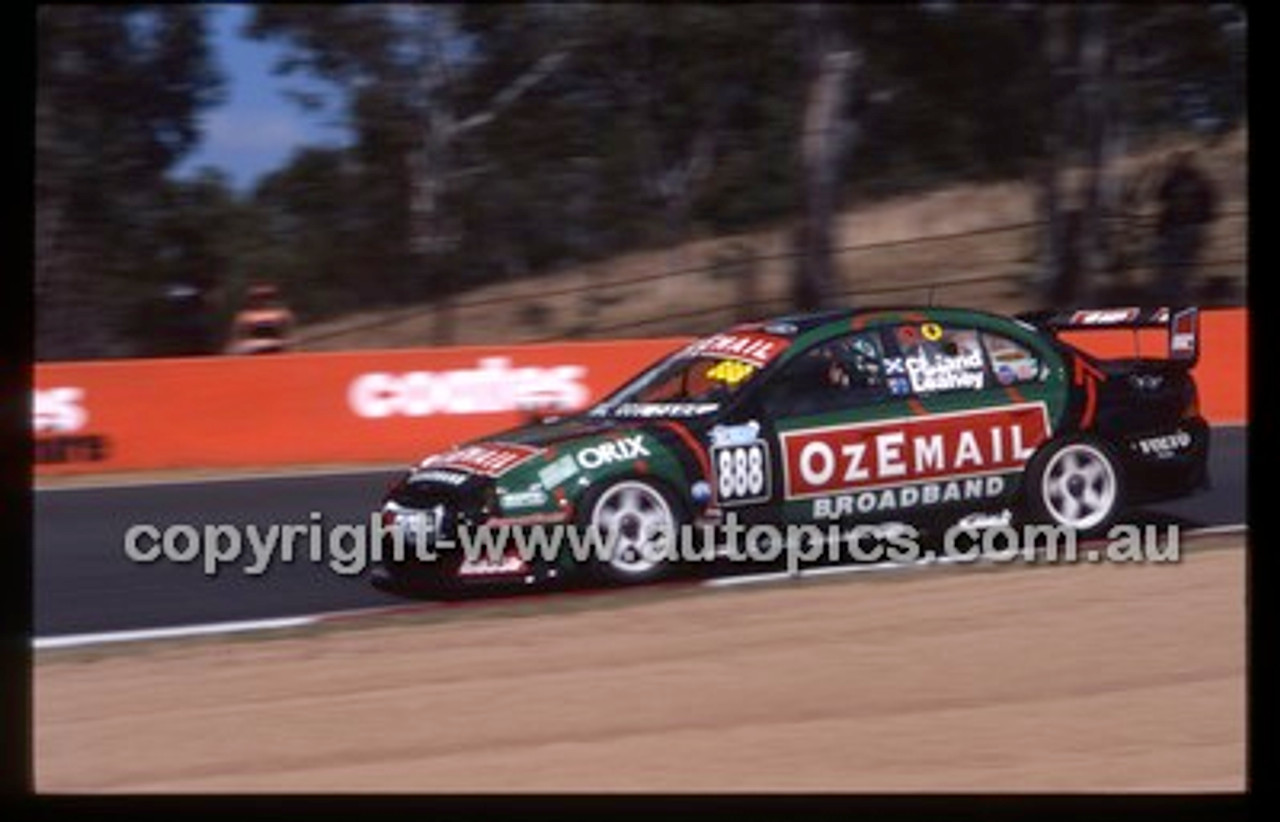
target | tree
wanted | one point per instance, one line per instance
(500, 141)
(117, 94)
(309, 233)
(832, 63)
(679, 90)
(1116, 73)
(399, 64)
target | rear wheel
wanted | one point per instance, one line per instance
(1077, 483)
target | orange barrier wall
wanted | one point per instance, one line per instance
(396, 406)
(283, 409)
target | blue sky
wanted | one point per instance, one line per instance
(257, 128)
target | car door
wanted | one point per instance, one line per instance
(833, 384)
(906, 422)
(977, 415)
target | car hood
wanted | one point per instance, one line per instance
(500, 453)
(535, 468)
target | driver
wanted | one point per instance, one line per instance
(837, 373)
(849, 364)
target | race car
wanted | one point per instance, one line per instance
(918, 415)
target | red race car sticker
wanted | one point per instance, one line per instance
(748, 346)
(1104, 316)
(870, 455)
(491, 459)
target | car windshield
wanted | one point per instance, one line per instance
(698, 379)
(680, 386)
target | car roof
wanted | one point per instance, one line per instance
(797, 324)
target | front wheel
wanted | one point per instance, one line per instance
(1076, 483)
(639, 522)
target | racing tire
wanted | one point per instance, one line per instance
(1077, 482)
(635, 510)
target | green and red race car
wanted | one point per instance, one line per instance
(919, 415)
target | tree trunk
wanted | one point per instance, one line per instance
(832, 64)
(431, 168)
(66, 324)
(1095, 71)
(1053, 35)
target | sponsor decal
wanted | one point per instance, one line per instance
(899, 386)
(1182, 338)
(700, 491)
(981, 519)
(665, 409)
(58, 450)
(59, 410)
(871, 455)
(1146, 382)
(731, 372)
(750, 347)
(1104, 316)
(509, 564)
(946, 373)
(532, 498)
(741, 473)
(1164, 447)
(735, 434)
(607, 453)
(490, 459)
(908, 496)
(1013, 365)
(536, 518)
(494, 386)
(558, 471)
(437, 475)
(931, 332)
(1183, 343)
(781, 329)
(57, 415)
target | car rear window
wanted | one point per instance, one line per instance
(1011, 362)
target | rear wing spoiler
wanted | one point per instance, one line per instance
(1181, 324)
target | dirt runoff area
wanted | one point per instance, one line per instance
(1085, 678)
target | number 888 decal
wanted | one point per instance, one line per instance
(742, 472)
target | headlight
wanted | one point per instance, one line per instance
(414, 521)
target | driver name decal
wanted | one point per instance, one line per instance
(945, 373)
(864, 456)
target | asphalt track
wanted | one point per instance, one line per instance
(84, 583)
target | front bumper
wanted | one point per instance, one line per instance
(449, 574)
(403, 568)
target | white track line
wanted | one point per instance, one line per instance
(828, 571)
(108, 484)
(1238, 528)
(215, 628)
(833, 570)
(181, 631)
